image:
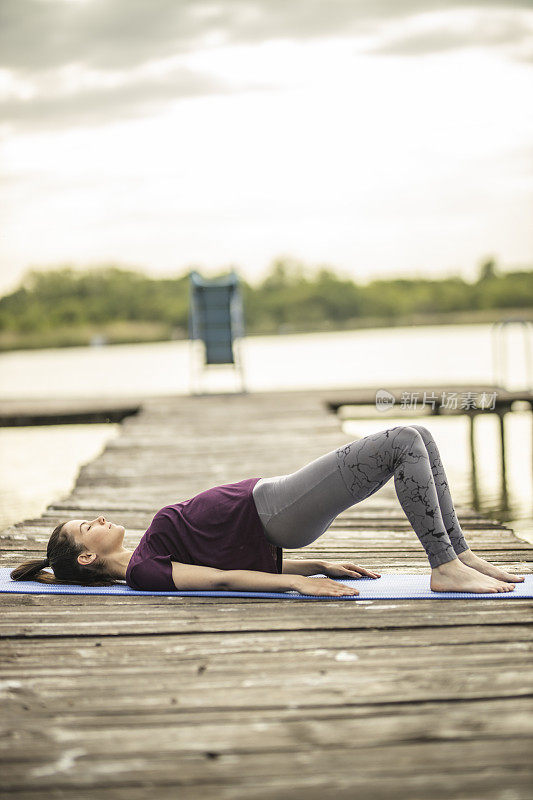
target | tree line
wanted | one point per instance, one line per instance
(125, 304)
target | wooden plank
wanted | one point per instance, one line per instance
(99, 649)
(324, 727)
(73, 767)
(238, 689)
(303, 783)
(321, 655)
(142, 615)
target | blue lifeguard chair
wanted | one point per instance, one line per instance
(216, 319)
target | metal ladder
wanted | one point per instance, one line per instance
(499, 349)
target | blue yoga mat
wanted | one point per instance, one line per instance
(388, 587)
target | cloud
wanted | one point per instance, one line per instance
(116, 34)
(500, 29)
(109, 42)
(110, 34)
(100, 104)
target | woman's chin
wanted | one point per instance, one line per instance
(118, 532)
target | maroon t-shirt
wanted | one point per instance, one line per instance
(217, 528)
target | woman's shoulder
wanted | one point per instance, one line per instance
(150, 573)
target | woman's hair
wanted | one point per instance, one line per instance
(62, 555)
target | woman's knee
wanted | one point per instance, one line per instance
(423, 431)
(409, 436)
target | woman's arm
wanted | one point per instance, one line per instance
(333, 569)
(301, 567)
(191, 577)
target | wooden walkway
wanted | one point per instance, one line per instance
(166, 697)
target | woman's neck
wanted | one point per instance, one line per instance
(118, 563)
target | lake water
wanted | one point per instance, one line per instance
(40, 464)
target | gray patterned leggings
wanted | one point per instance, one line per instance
(297, 508)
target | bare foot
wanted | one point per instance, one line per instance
(454, 576)
(471, 560)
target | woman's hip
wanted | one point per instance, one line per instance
(298, 507)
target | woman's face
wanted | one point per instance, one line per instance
(97, 535)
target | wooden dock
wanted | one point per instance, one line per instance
(180, 697)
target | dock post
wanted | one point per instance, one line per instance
(475, 491)
(504, 495)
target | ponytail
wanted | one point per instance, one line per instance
(33, 571)
(62, 557)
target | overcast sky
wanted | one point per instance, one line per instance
(382, 138)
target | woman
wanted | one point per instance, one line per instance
(231, 537)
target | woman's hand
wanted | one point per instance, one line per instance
(321, 587)
(345, 569)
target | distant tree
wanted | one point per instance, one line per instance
(290, 297)
(487, 270)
